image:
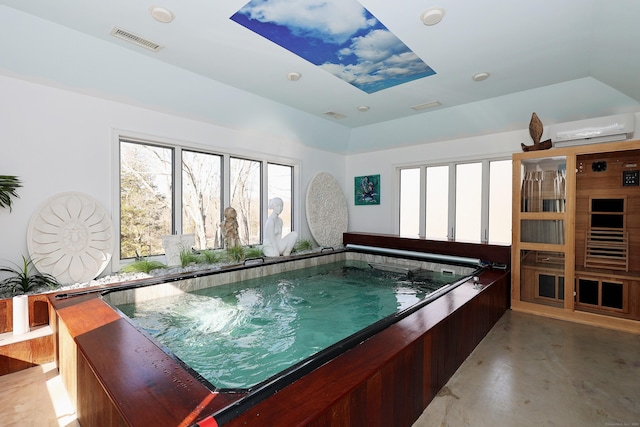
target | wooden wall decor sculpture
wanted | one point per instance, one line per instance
(535, 130)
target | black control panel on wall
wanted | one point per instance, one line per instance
(630, 178)
(599, 166)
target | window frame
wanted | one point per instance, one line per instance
(177, 146)
(451, 218)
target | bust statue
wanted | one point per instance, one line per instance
(274, 244)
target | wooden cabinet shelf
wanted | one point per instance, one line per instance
(576, 234)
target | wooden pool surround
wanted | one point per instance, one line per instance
(117, 377)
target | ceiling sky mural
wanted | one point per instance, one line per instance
(339, 36)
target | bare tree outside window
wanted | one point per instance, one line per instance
(201, 197)
(145, 198)
(151, 205)
(245, 198)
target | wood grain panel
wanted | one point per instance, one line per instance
(26, 354)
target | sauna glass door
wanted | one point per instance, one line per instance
(542, 233)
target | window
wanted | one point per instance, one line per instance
(202, 197)
(245, 198)
(146, 202)
(437, 198)
(500, 201)
(467, 201)
(410, 202)
(168, 189)
(280, 179)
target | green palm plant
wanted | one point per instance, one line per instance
(302, 245)
(22, 279)
(187, 257)
(235, 253)
(210, 256)
(8, 185)
(142, 265)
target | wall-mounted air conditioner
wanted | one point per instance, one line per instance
(600, 129)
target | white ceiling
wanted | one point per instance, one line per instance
(525, 45)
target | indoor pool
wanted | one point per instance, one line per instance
(239, 335)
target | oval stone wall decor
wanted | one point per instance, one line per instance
(327, 213)
(71, 238)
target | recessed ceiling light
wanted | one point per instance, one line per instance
(480, 77)
(427, 105)
(432, 16)
(334, 115)
(161, 14)
(294, 76)
(363, 108)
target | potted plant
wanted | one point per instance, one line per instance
(8, 185)
(22, 279)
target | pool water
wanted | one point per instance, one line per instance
(238, 335)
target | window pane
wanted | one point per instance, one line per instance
(245, 198)
(201, 195)
(279, 183)
(437, 202)
(145, 198)
(410, 202)
(469, 202)
(500, 201)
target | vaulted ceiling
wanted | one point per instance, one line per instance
(565, 59)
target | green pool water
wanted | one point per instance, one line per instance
(241, 334)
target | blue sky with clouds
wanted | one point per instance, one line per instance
(339, 36)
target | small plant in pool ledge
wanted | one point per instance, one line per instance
(210, 256)
(235, 253)
(142, 265)
(302, 245)
(253, 252)
(187, 256)
(22, 279)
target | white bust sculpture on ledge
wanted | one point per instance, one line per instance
(274, 244)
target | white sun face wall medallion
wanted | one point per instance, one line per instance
(71, 237)
(327, 213)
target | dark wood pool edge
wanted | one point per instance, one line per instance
(498, 254)
(116, 379)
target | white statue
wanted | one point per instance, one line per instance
(274, 244)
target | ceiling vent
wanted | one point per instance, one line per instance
(431, 104)
(135, 39)
(600, 129)
(334, 115)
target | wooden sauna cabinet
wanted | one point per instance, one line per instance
(576, 234)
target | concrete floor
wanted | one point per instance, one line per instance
(528, 371)
(35, 397)
(534, 371)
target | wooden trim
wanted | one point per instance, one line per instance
(585, 318)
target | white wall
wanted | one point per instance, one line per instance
(57, 141)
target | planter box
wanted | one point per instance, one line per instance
(31, 349)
